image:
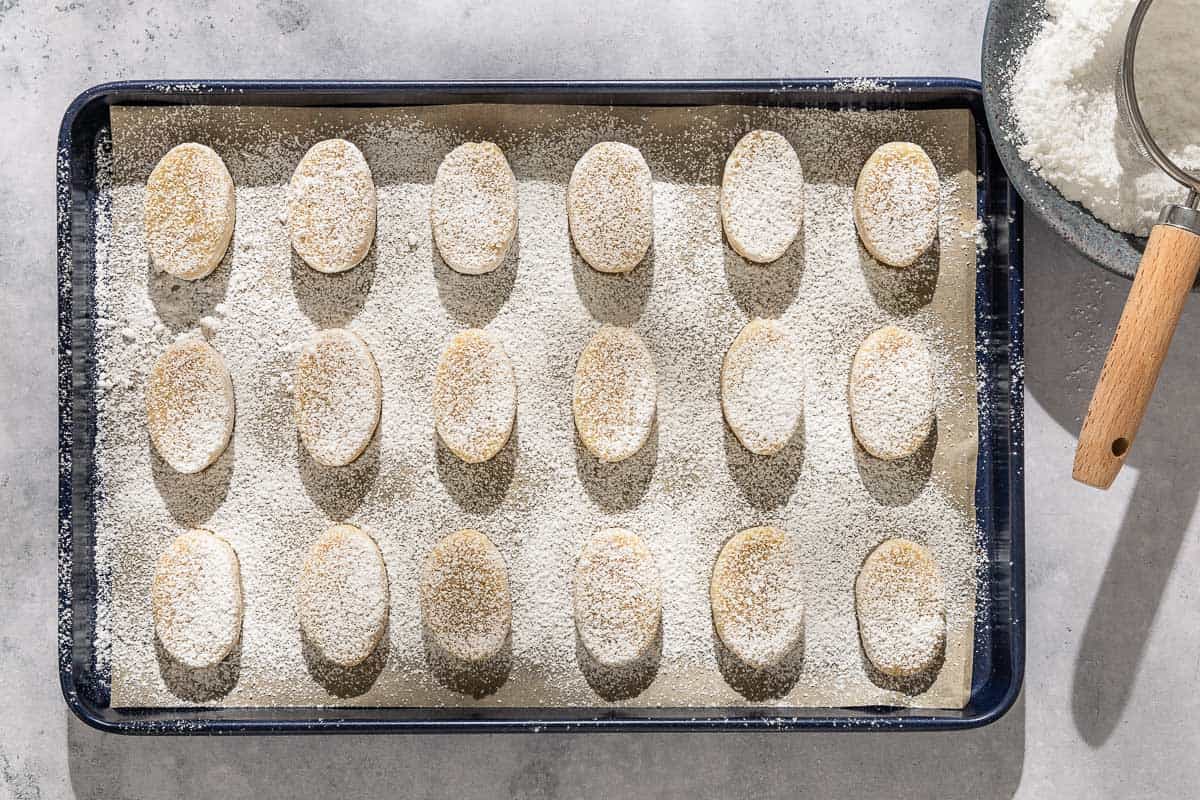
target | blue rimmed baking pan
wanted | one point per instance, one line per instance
(999, 655)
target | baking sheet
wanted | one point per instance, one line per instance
(693, 298)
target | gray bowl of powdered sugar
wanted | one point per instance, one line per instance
(1049, 71)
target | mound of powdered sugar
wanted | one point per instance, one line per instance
(685, 492)
(1064, 100)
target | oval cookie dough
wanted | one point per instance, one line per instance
(465, 602)
(196, 599)
(189, 211)
(189, 405)
(899, 599)
(891, 393)
(617, 598)
(332, 206)
(896, 204)
(338, 396)
(474, 396)
(762, 196)
(342, 596)
(473, 210)
(762, 386)
(610, 207)
(616, 389)
(757, 606)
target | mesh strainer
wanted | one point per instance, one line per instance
(1164, 277)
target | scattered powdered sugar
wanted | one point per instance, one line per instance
(685, 492)
(1063, 95)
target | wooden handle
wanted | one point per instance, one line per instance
(1161, 286)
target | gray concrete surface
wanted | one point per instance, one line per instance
(1109, 708)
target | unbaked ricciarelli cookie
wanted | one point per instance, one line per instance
(332, 206)
(757, 605)
(196, 599)
(342, 596)
(474, 396)
(466, 605)
(762, 196)
(610, 207)
(899, 597)
(615, 394)
(338, 396)
(617, 598)
(189, 211)
(762, 386)
(891, 393)
(189, 405)
(473, 208)
(896, 203)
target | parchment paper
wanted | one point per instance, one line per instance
(705, 490)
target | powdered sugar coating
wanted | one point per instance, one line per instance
(474, 396)
(189, 405)
(338, 396)
(610, 207)
(197, 599)
(189, 211)
(617, 597)
(757, 604)
(270, 500)
(896, 203)
(891, 393)
(762, 196)
(473, 210)
(615, 394)
(762, 386)
(332, 206)
(342, 596)
(465, 601)
(899, 597)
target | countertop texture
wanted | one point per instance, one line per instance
(1109, 707)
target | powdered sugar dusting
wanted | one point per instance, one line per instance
(685, 492)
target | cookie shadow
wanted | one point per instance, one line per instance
(765, 290)
(192, 498)
(475, 300)
(614, 298)
(620, 485)
(199, 685)
(767, 482)
(624, 682)
(475, 679)
(477, 488)
(769, 683)
(331, 300)
(179, 303)
(897, 482)
(345, 682)
(902, 290)
(339, 491)
(911, 685)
